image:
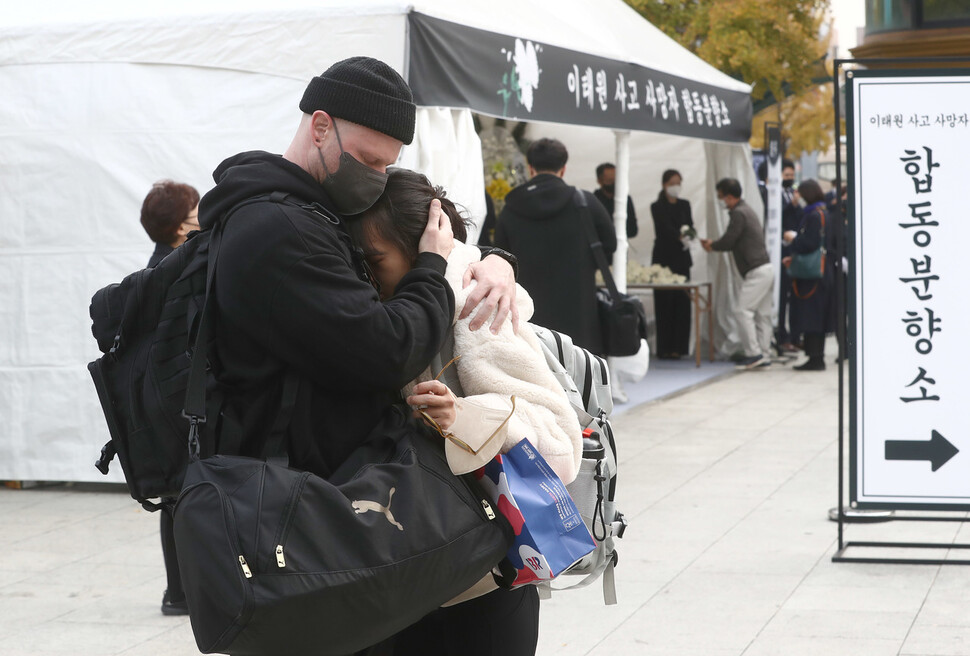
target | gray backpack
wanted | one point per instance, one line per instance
(586, 379)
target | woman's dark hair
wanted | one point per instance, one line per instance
(165, 208)
(665, 178)
(400, 215)
(668, 174)
(811, 191)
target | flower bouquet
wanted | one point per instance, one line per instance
(687, 235)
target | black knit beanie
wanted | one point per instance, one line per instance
(365, 91)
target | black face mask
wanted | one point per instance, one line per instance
(610, 188)
(353, 187)
(787, 184)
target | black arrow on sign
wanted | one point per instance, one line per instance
(938, 450)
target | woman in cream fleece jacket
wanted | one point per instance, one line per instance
(472, 399)
(498, 391)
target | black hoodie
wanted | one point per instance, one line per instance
(289, 297)
(541, 226)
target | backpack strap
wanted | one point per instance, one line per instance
(595, 244)
(604, 569)
(195, 403)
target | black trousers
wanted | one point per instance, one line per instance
(782, 334)
(501, 623)
(167, 530)
(672, 311)
(814, 344)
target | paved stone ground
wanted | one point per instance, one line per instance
(728, 552)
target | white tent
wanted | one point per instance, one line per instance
(103, 98)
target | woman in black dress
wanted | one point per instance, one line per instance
(812, 309)
(671, 307)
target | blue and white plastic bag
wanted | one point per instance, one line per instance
(550, 535)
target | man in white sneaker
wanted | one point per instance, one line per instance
(745, 239)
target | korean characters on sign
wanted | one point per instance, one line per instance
(921, 322)
(664, 101)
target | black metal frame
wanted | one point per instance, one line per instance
(840, 292)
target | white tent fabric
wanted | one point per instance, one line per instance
(103, 98)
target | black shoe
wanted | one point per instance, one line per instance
(811, 364)
(170, 607)
(753, 362)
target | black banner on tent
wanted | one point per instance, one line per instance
(452, 65)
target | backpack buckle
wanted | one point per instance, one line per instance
(194, 447)
(108, 452)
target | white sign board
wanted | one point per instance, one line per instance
(909, 159)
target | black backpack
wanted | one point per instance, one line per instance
(148, 326)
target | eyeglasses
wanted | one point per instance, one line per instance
(457, 441)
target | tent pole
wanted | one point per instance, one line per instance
(620, 195)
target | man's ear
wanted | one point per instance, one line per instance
(532, 171)
(320, 125)
(562, 172)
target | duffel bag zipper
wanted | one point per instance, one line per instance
(488, 509)
(233, 533)
(230, 525)
(246, 571)
(486, 505)
(288, 511)
(484, 509)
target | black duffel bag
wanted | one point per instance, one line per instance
(277, 561)
(623, 322)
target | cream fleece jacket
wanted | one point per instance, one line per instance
(493, 368)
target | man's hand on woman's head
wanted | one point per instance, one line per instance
(438, 237)
(495, 289)
(437, 401)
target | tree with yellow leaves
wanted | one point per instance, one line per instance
(774, 45)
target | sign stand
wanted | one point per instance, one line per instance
(894, 449)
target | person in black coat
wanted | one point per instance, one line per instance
(541, 226)
(791, 215)
(169, 213)
(813, 311)
(671, 307)
(292, 295)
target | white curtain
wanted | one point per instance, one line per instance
(71, 187)
(447, 149)
(727, 161)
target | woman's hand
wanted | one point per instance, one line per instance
(495, 288)
(437, 401)
(437, 237)
(786, 261)
(789, 236)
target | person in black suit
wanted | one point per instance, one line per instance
(672, 308)
(606, 178)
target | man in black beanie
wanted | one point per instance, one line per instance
(292, 293)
